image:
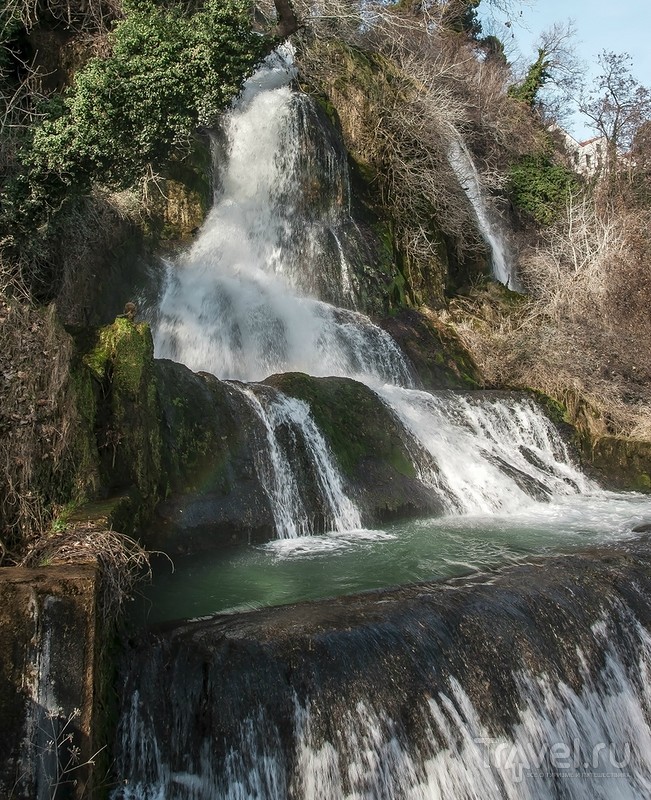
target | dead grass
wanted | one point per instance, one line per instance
(582, 334)
(122, 561)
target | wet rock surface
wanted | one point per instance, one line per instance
(249, 683)
(47, 680)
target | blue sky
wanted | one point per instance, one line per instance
(617, 25)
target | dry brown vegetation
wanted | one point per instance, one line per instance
(405, 89)
(43, 462)
(37, 422)
(122, 561)
(582, 333)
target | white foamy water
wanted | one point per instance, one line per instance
(489, 454)
(241, 302)
(583, 741)
(277, 466)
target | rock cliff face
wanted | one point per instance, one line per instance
(364, 94)
(622, 464)
(212, 493)
(437, 356)
(185, 446)
(48, 685)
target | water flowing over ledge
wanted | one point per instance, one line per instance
(496, 687)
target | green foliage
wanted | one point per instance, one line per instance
(493, 46)
(541, 188)
(461, 16)
(169, 72)
(537, 77)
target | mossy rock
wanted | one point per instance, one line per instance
(180, 204)
(199, 427)
(117, 513)
(124, 350)
(367, 441)
(120, 358)
(435, 352)
(621, 464)
(213, 494)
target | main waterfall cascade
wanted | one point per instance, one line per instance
(462, 690)
(240, 305)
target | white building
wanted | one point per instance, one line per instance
(587, 157)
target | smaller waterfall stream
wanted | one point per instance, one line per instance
(279, 467)
(464, 167)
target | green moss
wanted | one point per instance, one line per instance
(643, 482)
(126, 411)
(353, 419)
(622, 464)
(554, 409)
(328, 108)
(86, 459)
(126, 349)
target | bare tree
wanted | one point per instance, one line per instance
(555, 76)
(618, 105)
(565, 70)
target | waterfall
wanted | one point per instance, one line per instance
(491, 453)
(247, 301)
(466, 172)
(241, 302)
(279, 467)
(529, 681)
(533, 683)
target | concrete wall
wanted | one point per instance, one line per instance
(48, 636)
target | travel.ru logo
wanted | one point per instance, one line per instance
(555, 759)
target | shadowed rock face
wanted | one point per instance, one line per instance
(211, 441)
(417, 671)
(48, 683)
(208, 437)
(435, 352)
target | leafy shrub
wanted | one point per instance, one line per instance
(541, 188)
(168, 73)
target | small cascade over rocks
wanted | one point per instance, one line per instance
(466, 172)
(489, 453)
(529, 682)
(296, 457)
